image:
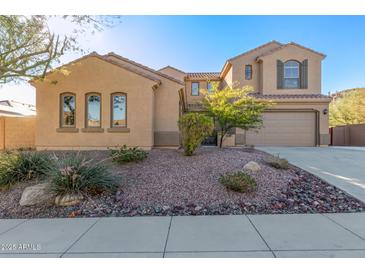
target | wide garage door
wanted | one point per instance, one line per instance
(285, 129)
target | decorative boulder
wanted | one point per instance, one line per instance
(36, 194)
(68, 199)
(252, 166)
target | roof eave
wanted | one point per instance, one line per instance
(254, 49)
(225, 69)
(96, 55)
(260, 57)
(145, 67)
(171, 67)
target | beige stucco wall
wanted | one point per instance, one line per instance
(191, 99)
(228, 78)
(291, 52)
(167, 112)
(239, 63)
(166, 108)
(173, 73)
(17, 132)
(94, 75)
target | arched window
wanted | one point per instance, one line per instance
(67, 110)
(118, 110)
(93, 110)
(291, 74)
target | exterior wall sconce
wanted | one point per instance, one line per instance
(325, 111)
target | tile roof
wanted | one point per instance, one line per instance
(119, 64)
(168, 66)
(142, 66)
(290, 96)
(289, 44)
(202, 75)
(254, 49)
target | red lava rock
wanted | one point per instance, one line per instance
(74, 214)
(280, 205)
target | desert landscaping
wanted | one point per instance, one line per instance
(166, 182)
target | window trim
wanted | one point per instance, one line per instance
(112, 110)
(61, 110)
(297, 78)
(192, 88)
(87, 95)
(251, 71)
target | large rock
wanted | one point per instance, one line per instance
(68, 199)
(37, 194)
(252, 166)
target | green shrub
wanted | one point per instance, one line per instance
(33, 164)
(239, 182)
(20, 166)
(277, 162)
(125, 154)
(74, 174)
(194, 127)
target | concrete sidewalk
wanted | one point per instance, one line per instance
(295, 235)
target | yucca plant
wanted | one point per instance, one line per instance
(75, 174)
(33, 164)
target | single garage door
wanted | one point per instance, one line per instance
(285, 129)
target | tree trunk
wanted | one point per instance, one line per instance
(245, 137)
(221, 138)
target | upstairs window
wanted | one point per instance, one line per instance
(291, 75)
(248, 72)
(210, 87)
(119, 110)
(195, 89)
(68, 110)
(93, 110)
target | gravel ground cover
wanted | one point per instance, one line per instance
(168, 183)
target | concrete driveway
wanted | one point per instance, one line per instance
(343, 167)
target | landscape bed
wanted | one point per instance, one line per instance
(169, 183)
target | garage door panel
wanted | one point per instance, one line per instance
(285, 129)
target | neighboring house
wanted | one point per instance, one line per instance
(108, 100)
(10, 108)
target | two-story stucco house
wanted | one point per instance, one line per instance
(107, 100)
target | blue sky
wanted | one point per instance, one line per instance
(203, 43)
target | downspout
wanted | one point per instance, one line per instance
(4, 133)
(318, 137)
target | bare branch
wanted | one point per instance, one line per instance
(29, 49)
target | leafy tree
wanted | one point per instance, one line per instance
(194, 127)
(29, 49)
(233, 107)
(348, 108)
